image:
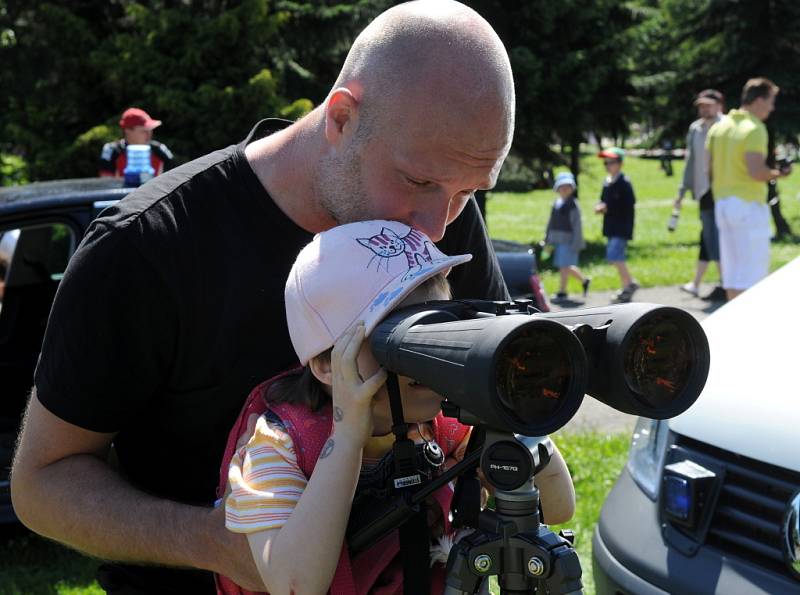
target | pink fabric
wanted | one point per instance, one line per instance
(309, 431)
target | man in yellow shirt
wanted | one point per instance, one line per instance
(737, 147)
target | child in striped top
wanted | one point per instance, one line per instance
(336, 294)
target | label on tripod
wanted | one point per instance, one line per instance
(404, 482)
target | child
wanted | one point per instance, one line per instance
(616, 204)
(294, 505)
(565, 232)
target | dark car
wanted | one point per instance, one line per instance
(41, 225)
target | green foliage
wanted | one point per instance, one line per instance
(683, 46)
(12, 170)
(570, 67)
(208, 69)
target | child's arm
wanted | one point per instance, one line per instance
(556, 492)
(301, 557)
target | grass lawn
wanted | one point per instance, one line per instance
(30, 565)
(656, 256)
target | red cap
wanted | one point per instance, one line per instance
(134, 117)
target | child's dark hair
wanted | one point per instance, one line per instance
(302, 387)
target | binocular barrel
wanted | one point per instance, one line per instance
(515, 372)
(644, 359)
(528, 372)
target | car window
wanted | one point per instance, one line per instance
(33, 256)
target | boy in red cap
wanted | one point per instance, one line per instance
(616, 205)
(137, 126)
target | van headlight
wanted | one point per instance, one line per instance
(646, 456)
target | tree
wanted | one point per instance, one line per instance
(689, 45)
(209, 69)
(571, 71)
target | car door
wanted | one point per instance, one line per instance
(35, 248)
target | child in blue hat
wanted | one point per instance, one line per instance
(565, 233)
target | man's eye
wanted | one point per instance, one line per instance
(418, 183)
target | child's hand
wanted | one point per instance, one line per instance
(600, 207)
(352, 395)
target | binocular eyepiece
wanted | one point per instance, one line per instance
(507, 366)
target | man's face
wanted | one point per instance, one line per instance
(139, 135)
(708, 110)
(422, 173)
(762, 107)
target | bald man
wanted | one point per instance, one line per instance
(171, 310)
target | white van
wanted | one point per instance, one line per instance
(709, 502)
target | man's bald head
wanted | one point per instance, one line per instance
(421, 116)
(435, 58)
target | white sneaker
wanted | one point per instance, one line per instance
(690, 288)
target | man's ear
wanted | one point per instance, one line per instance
(341, 116)
(321, 369)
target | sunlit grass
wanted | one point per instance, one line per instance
(656, 257)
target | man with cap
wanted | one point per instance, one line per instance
(137, 126)
(172, 308)
(709, 103)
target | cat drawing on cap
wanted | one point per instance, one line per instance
(387, 244)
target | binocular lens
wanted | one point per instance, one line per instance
(658, 362)
(533, 374)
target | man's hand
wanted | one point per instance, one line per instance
(235, 557)
(600, 207)
(63, 488)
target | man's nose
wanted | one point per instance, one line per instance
(432, 220)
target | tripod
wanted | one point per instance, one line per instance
(509, 542)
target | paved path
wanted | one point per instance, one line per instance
(594, 415)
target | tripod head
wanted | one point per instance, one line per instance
(510, 541)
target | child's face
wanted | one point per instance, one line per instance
(565, 191)
(420, 403)
(613, 166)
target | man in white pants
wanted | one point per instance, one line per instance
(737, 147)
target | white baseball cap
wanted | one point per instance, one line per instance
(356, 272)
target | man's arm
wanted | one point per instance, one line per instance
(758, 169)
(688, 170)
(63, 488)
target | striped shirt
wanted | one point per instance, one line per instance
(267, 482)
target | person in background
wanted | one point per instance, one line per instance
(137, 128)
(709, 103)
(616, 205)
(737, 145)
(565, 233)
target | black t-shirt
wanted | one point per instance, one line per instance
(172, 310)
